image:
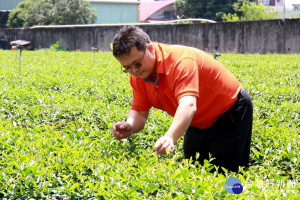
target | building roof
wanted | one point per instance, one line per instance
(115, 1)
(148, 8)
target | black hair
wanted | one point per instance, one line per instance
(127, 37)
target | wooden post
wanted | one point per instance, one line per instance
(94, 50)
(20, 60)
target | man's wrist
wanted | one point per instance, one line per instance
(171, 138)
(130, 121)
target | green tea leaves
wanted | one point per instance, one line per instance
(56, 141)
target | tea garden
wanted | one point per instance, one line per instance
(56, 143)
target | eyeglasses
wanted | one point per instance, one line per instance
(135, 65)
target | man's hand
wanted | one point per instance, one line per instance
(163, 143)
(122, 130)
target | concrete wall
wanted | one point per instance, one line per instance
(271, 36)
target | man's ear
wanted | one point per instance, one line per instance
(150, 47)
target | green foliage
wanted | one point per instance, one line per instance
(16, 17)
(56, 141)
(57, 47)
(213, 9)
(50, 12)
(183, 22)
(250, 11)
(73, 12)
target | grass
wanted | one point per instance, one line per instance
(56, 141)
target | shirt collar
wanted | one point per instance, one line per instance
(151, 81)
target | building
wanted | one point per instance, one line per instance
(9, 4)
(116, 11)
(286, 4)
(108, 11)
(295, 4)
(285, 8)
(155, 11)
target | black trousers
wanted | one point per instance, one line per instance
(227, 140)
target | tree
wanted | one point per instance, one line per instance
(51, 12)
(213, 9)
(250, 11)
(16, 16)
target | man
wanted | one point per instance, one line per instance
(208, 104)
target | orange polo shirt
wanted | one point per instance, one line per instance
(183, 71)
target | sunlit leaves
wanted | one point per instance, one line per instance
(55, 140)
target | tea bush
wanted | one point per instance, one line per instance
(56, 142)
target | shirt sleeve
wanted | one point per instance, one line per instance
(140, 101)
(186, 78)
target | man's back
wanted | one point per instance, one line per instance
(186, 71)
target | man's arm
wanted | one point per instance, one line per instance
(135, 122)
(184, 114)
(137, 119)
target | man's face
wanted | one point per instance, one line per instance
(139, 63)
